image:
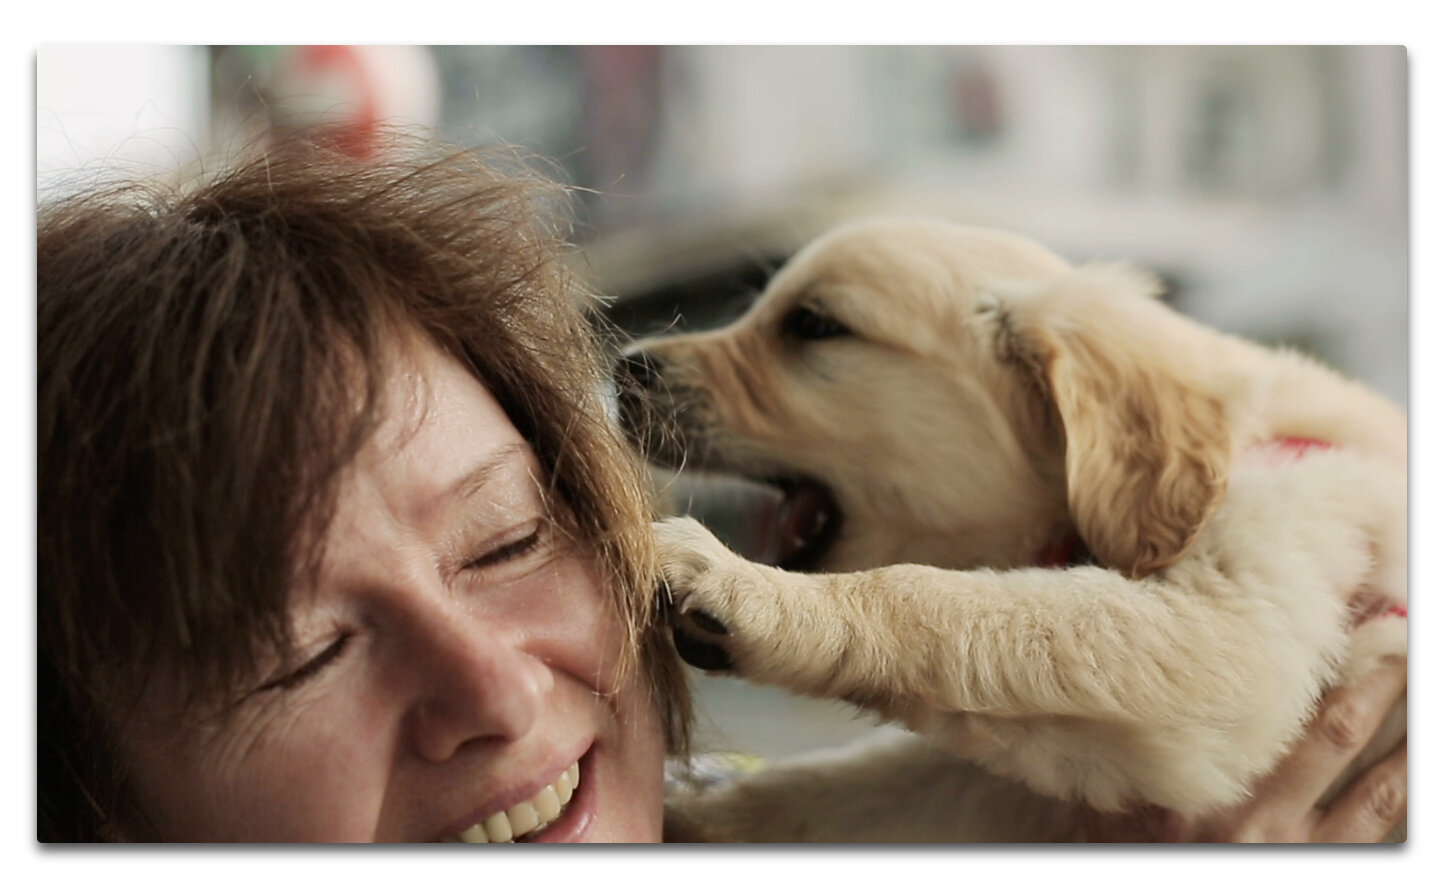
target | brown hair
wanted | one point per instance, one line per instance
(198, 351)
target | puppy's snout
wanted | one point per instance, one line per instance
(650, 404)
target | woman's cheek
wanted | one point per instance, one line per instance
(563, 617)
(296, 766)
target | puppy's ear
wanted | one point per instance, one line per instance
(1146, 450)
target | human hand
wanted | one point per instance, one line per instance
(1282, 807)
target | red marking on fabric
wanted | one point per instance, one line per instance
(1369, 605)
(1299, 446)
(1066, 552)
(1070, 550)
(1370, 615)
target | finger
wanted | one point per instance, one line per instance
(1347, 719)
(1372, 805)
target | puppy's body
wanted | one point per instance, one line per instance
(972, 403)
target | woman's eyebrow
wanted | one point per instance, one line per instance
(475, 480)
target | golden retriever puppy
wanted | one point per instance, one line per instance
(1072, 539)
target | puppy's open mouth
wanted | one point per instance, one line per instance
(784, 522)
(802, 528)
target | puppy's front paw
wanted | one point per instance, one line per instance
(716, 598)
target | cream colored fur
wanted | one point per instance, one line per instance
(986, 399)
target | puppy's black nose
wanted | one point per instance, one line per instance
(644, 408)
(637, 370)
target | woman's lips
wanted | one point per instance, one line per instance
(532, 819)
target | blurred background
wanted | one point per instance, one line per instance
(1266, 184)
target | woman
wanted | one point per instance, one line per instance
(336, 542)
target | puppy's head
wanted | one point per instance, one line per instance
(940, 394)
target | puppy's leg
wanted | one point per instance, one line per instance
(1177, 691)
(912, 640)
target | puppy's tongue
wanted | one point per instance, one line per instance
(765, 522)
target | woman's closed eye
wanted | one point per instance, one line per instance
(510, 546)
(311, 667)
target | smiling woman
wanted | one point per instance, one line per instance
(330, 547)
(438, 695)
(337, 542)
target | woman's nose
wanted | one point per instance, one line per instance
(476, 683)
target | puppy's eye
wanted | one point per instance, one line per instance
(806, 323)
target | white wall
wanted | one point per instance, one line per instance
(136, 108)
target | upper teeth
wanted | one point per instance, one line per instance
(542, 809)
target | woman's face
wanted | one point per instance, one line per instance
(457, 661)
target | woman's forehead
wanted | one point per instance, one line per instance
(442, 438)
